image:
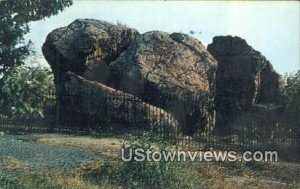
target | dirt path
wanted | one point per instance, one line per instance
(109, 146)
(20, 150)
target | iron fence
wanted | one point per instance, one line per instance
(82, 115)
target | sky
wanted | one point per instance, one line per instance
(271, 27)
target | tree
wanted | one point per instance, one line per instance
(25, 88)
(292, 115)
(292, 112)
(14, 18)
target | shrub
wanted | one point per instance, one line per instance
(23, 92)
(292, 115)
(140, 174)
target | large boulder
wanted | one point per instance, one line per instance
(93, 103)
(166, 70)
(244, 78)
(162, 63)
(160, 68)
(85, 43)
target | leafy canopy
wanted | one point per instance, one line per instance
(14, 18)
(25, 89)
(21, 88)
(293, 94)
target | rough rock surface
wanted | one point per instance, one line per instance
(149, 66)
(93, 100)
(162, 63)
(244, 77)
(85, 43)
(158, 64)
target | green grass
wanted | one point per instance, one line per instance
(119, 174)
(114, 173)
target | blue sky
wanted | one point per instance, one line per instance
(273, 28)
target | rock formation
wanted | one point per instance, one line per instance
(150, 66)
(160, 63)
(84, 43)
(95, 100)
(244, 77)
(161, 69)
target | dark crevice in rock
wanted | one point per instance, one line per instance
(244, 78)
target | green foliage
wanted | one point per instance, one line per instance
(146, 173)
(140, 174)
(22, 94)
(293, 85)
(14, 18)
(292, 115)
(121, 24)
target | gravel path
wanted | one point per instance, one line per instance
(40, 156)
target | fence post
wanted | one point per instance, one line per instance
(59, 92)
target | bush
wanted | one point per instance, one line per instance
(23, 92)
(140, 174)
(292, 112)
